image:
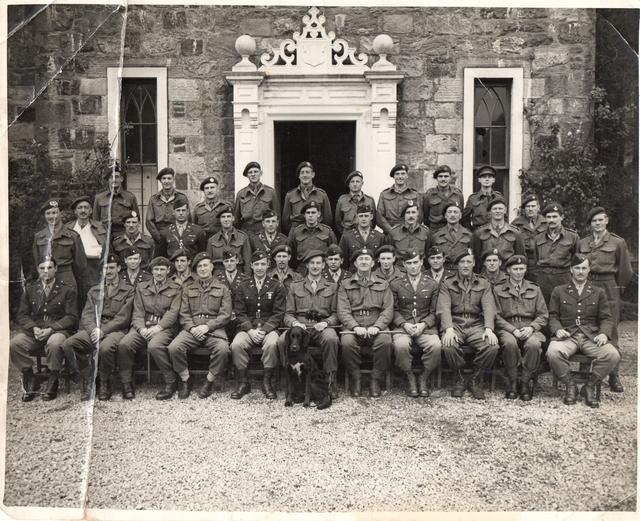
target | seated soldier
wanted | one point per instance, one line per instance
(365, 308)
(156, 304)
(132, 237)
(466, 310)
(48, 311)
(411, 235)
(260, 305)
(311, 235)
(361, 235)
(491, 264)
(233, 279)
(269, 237)
(311, 305)
(205, 310)
(435, 261)
(387, 269)
(415, 314)
(182, 267)
(522, 313)
(115, 298)
(181, 234)
(133, 273)
(232, 237)
(205, 213)
(333, 271)
(281, 257)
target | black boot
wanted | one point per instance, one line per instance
(356, 384)
(412, 384)
(423, 384)
(30, 385)
(267, 388)
(184, 388)
(333, 385)
(571, 390)
(375, 384)
(458, 387)
(168, 390)
(127, 391)
(243, 386)
(207, 389)
(526, 386)
(51, 392)
(104, 388)
(615, 384)
(589, 393)
(86, 387)
(510, 391)
(475, 384)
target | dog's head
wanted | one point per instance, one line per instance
(298, 340)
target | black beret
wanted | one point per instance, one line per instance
(130, 215)
(408, 204)
(334, 249)
(51, 203)
(364, 208)
(528, 198)
(166, 171)
(46, 258)
(578, 258)
(400, 166)
(385, 248)
(279, 249)
(449, 204)
(411, 254)
(180, 202)
(179, 253)
(128, 252)
(224, 209)
(433, 251)
(496, 200)
(553, 207)
(312, 254)
(441, 169)
(258, 255)
(462, 255)
(515, 259)
(355, 173)
(595, 211)
(361, 251)
(112, 258)
(268, 214)
(228, 252)
(81, 199)
(250, 165)
(302, 165)
(159, 261)
(485, 170)
(208, 180)
(198, 258)
(309, 204)
(488, 253)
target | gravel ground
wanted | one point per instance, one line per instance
(394, 453)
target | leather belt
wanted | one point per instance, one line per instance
(468, 315)
(150, 320)
(363, 312)
(519, 318)
(203, 315)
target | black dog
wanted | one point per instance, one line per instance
(306, 382)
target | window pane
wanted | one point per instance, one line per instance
(482, 111)
(131, 115)
(482, 146)
(498, 146)
(149, 143)
(498, 113)
(132, 144)
(148, 109)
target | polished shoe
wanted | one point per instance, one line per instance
(510, 390)
(104, 389)
(475, 385)
(423, 384)
(356, 384)
(51, 393)
(458, 388)
(615, 384)
(168, 391)
(184, 389)
(589, 393)
(243, 386)
(333, 385)
(127, 391)
(30, 385)
(526, 386)
(375, 385)
(267, 388)
(412, 384)
(570, 390)
(206, 390)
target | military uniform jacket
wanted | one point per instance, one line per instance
(475, 211)
(391, 203)
(141, 276)
(238, 240)
(122, 204)
(522, 308)
(587, 313)
(143, 243)
(353, 240)
(556, 255)
(262, 309)
(366, 305)
(59, 310)
(303, 239)
(233, 285)
(182, 281)
(396, 274)
(347, 210)
(287, 279)
(295, 200)
(508, 242)
(529, 230)
(260, 241)
(64, 246)
(205, 215)
(465, 308)
(452, 241)
(160, 212)
(417, 305)
(329, 276)
(116, 309)
(251, 205)
(309, 307)
(154, 305)
(192, 240)
(98, 230)
(210, 305)
(435, 199)
(609, 257)
(405, 239)
(494, 278)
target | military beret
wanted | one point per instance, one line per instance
(166, 171)
(334, 249)
(279, 249)
(130, 251)
(224, 209)
(112, 258)
(385, 248)
(180, 202)
(203, 255)
(312, 254)
(46, 258)
(408, 204)
(485, 170)
(81, 199)
(449, 204)
(578, 258)
(410, 254)
(595, 211)
(207, 181)
(302, 165)
(179, 253)
(488, 253)
(397, 168)
(496, 200)
(308, 205)
(553, 207)
(258, 255)
(159, 261)
(433, 251)
(116, 167)
(462, 255)
(361, 251)
(268, 214)
(355, 173)
(250, 165)
(130, 215)
(364, 208)
(228, 253)
(515, 259)
(440, 170)
(528, 198)
(51, 203)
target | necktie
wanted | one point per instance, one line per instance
(259, 285)
(47, 289)
(414, 283)
(314, 285)
(336, 276)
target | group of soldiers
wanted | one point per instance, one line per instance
(443, 278)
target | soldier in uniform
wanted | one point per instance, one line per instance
(453, 238)
(497, 234)
(104, 330)
(111, 206)
(522, 313)
(205, 310)
(312, 235)
(411, 235)
(394, 199)
(580, 321)
(554, 248)
(530, 223)
(260, 306)
(362, 234)
(133, 273)
(253, 200)
(435, 262)
(435, 198)
(311, 304)
(491, 264)
(154, 322)
(466, 310)
(132, 237)
(415, 298)
(365, 309)
(610, 270)
(62, 244)
(281, 257)
(160, 212)
(475, 212)
(387, 269)
(348, 204)
(205, 213)
(333, 271)
(48, 311)
(181, 234)
(182, 267)
(230, 236)
(297, 199)
(269, 237)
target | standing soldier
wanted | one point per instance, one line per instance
(181, 234)
(491, 264)
(132, 237)
(435, 198)
(466, 310)
(267, 239)
(453, 238)
(205, 213)
(260, 306)
(365, 309)
(522, 313)
(160, 212)
(111, 206)
(435, 260)
(348, 204)
(530, 223)
(554, 248)
(61, 244)
(182, 266)
(387, 269)
(411, 235)
(394, 199)
(312, 235)
(362, 234)
(333, 271)
(610, 270)
(281, 271)
(134, 274)
(415, 299)
(205, 310)
(232, 237)
(253, 200)
(156, 305)
(475, 212)
(48, 312)
(296, 200)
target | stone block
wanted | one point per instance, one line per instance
(574, 32)
(576, 106)
(21, 132)
(93, 86)
(453, 160)
(534, 87)
(508, 45)
(449, 23)
(68, 87)
(256, 27)
(99, 123)
(172, 19)
(21, 94)
(179, 144)
(494, 12)
(449, 89)
(439, 110)
(412, 66)
(441, 144)
(415, 89)
(554, 106)
(397, 23)
(25, 114)
(449, 126)
(183, 90)
(544, 58)
(185, 127)
(439, 70)
(55, 114)
(178, 109)
(409, 142)
(84, 138)
(191, 47)
(87, 105)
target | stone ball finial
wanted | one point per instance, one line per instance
(245, 45)
(383, 44)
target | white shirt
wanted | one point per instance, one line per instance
(92, 248)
